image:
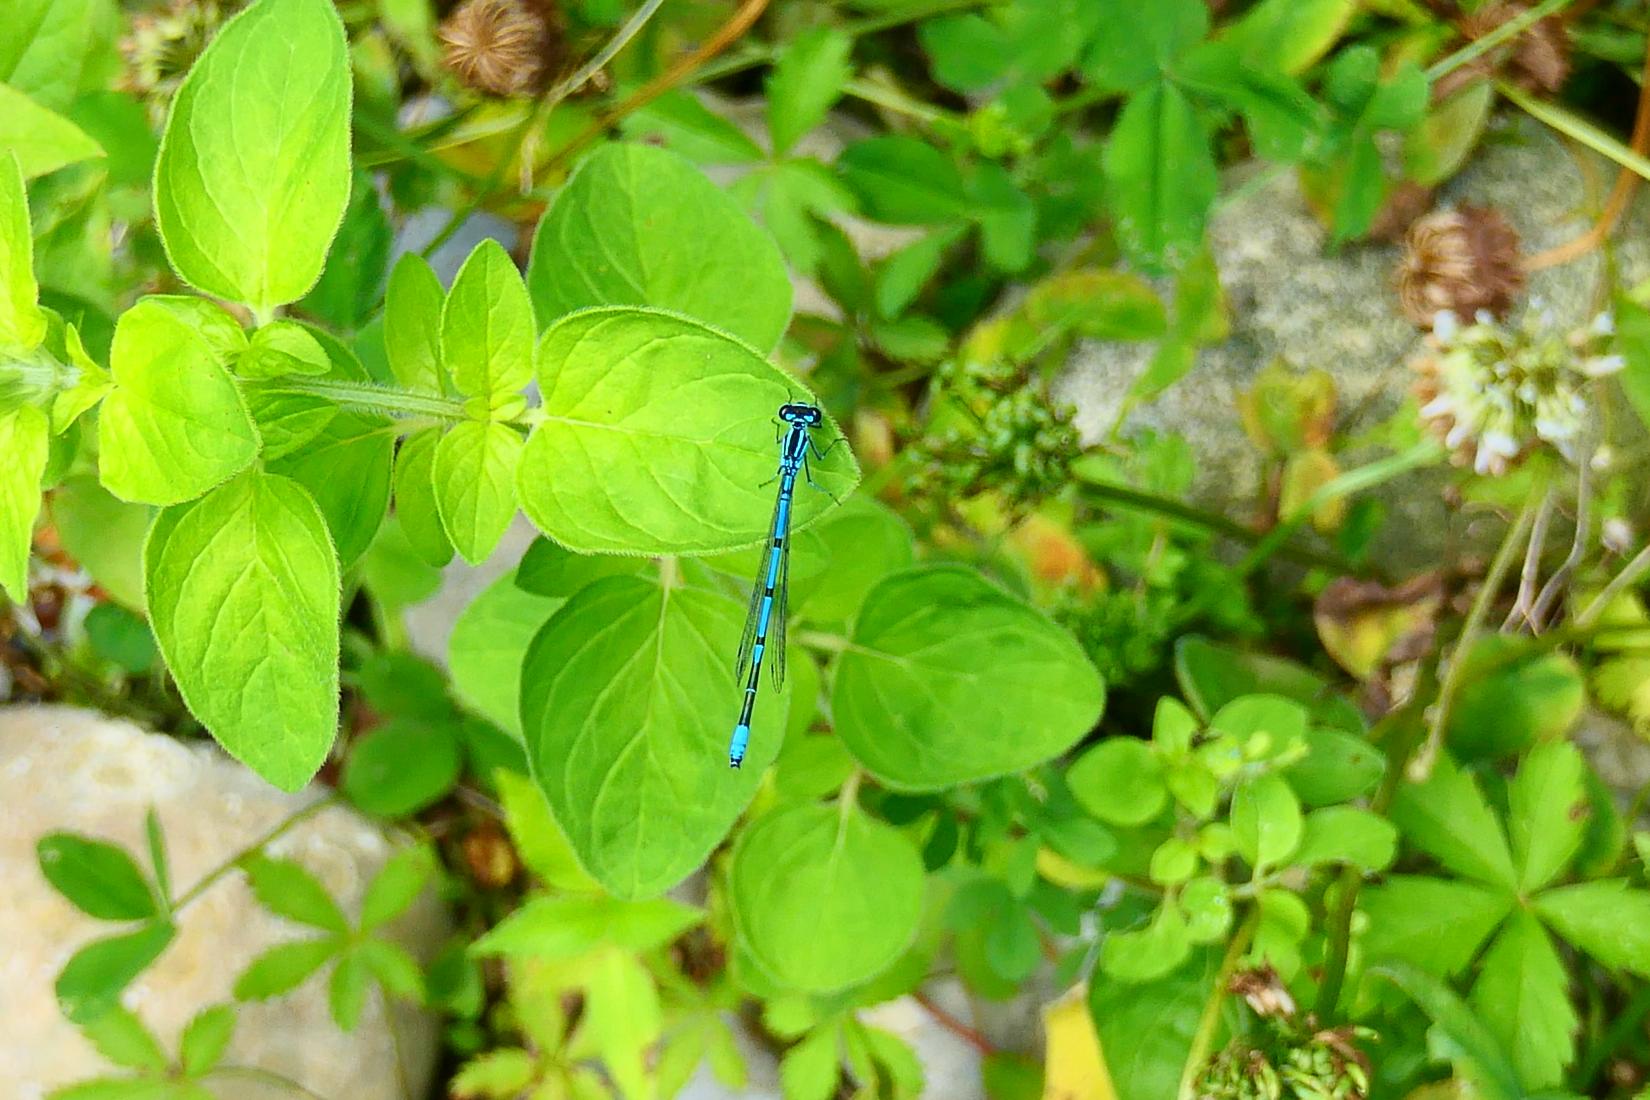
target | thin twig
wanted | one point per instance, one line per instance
(1204, 1037)
(1531, 573)
(727, 34)
(1488, 41)
(970, 1035)
(1554, 587)
(1421, 766)
(534, 117)
(280, 829)
(1621, 194)
(1629, 576)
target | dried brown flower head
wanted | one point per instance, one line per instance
(1264, 990)
(1463, 261)
(500, 47)
(1537, 59)
(163, 43)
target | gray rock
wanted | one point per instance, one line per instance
(1292, 299)
(76, 771)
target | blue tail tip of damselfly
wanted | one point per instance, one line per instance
(736, 748)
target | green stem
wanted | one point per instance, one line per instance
(207, 881)
(1575, 127)
(1203, 1039)
(1512, 28)
(540, 110)
(768, 54)
(892, 99)
(830, 643)
(1353, 481)
(1629, 576)
(369, 397)
(1512, 546)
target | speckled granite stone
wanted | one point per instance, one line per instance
(73, 770)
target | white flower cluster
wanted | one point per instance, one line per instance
(1495, 390)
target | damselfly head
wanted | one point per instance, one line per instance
(805, 415)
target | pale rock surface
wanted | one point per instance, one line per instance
(73, 770)
(1292, 299)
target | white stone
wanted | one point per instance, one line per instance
(63, 769)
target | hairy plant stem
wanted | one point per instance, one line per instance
(280, 829)
(1576, 128)
(370, 397)
(1203, 1039)
(1511, 548)
(1482, 45)
(973, 1036)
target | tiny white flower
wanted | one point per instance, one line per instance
(1445, 326)
(1602, 366)
(1617, 535)
(1604, 324)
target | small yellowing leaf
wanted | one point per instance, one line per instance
(1074, 1066)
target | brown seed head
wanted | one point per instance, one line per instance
(1461, 260)
(499, 47)
(1538, 60)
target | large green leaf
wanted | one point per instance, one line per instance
(23, 440)
(346, 469)
(175, 424)
(22, 325)
(1161, 177)
(1146, 1030)
(254, 169)
(43, 141)
(1605, 919)
(104, 534)
(948, 679)
(905, 181)
(806, 80)
(627, 703)
(1437, 924)
(823, 896)
(1523, 997)
(243, 597)
(55, 49)
(657, 437)
(1448, 818)
(1457, 1034)
(638, 226)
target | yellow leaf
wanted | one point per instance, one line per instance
(1074, 1065)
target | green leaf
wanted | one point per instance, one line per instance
(614, 237)
(103, 534)
(413, 307)
(810, 1069)
(205, 1039)
(287, 889)
(347, 991)
(1447, 818)
(623, 462)
(948, 679)
(127, 1088)
(538, 837)
(487, 646)
(396, 886)
(474, 476)
(1346, 834)
(68, 48)
(346, 470)
(863, 541)
(627, 704)
(1120, 780)
(284, 968)
(1514, 695)
(1464, 1039)
(41, 139)
(1547, 812)
(1102, 305)
(548, 569)
(1523, 997)
(1161, 177)
(1281, 117)
(415, 502)
(394, 969)
(91, 982)
(1290, 35)
(1604, 919)
(22, 325)
(121, 1037)
(487, 326)
(1337, 767)
(1151, 952)
(903, 273)
(25, 443)
(506, 1071)
(254, 171)
(1133, 44)
(98, 878)
(691, 128)
(243, 597)
(806, 80)
(175, 424)
(348, 291)
(401, 767)
(281, 348)
(905, 181)
(566, 927)
(1266, 821)
(823, 896)
(1437, 924)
